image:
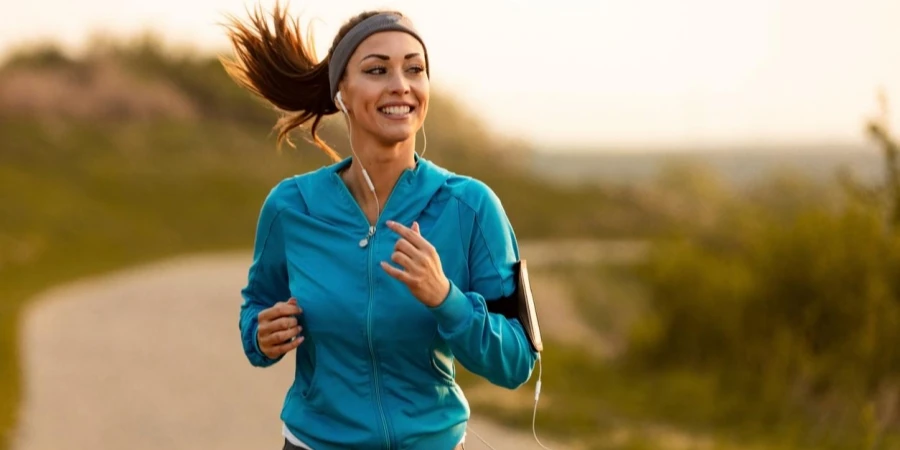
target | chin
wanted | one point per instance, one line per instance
(397, 136)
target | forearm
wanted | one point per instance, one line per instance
(489, 345)
(267, 281)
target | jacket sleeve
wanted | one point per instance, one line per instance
(267, 281)
(489, 345)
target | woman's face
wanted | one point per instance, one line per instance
(385, 87)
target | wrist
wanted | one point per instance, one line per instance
(259, 347)
(442, 293)
(257, 344)
(454, 312)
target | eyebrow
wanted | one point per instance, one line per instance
(387, 58)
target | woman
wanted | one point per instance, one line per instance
(375, 269)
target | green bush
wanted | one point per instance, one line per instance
(93, 189)
(790, 298)
(797, 308)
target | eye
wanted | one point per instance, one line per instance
(417, 69)
(379, 70)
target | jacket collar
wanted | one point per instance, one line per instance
(411, 195)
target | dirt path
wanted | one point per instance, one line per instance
(559, 316)
(150, 358)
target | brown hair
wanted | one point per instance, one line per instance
(278, 65)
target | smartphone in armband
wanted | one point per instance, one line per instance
(520, 305)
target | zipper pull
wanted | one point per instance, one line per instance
(365, 241)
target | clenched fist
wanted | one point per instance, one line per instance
(278, 331)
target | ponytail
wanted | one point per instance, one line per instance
(279, 66)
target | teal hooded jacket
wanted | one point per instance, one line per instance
(377, 367)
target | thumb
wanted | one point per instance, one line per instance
(292, 301)
(415, 227)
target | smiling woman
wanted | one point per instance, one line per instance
(378, 300)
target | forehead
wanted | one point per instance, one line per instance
(390, 43)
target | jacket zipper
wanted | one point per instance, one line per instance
(384, 426)
(368, 241)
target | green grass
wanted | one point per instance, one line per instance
(615, 405)
(81, 200)
(602, 405)
(85, 198)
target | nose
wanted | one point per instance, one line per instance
(398, 84)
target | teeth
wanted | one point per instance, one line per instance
(395, 110)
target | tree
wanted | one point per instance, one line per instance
(878, 129)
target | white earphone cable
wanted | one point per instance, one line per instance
(424, 141)
(365, 173)
(340, 102)
(537, 392)
(480, 438)
(537, 395)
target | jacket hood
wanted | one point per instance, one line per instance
(328, 198)
(376, 368)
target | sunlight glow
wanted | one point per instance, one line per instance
(570, 73)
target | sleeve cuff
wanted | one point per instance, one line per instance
(454, 312)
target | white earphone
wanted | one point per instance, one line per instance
(340, 102)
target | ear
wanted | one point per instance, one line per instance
(339, 101)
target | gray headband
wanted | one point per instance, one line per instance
(347, 45)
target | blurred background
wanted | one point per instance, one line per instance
(708, 190)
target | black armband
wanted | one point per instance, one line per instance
(520, 305)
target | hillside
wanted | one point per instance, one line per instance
(740, 166)
(136, 152)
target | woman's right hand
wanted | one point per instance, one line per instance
(278, 331)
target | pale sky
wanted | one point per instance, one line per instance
(578, 72)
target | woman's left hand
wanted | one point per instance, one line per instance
(420, 263)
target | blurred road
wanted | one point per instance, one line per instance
(150, 358)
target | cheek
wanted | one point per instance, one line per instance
(364, 94)
(424, 101)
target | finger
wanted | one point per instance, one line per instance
(288, 346)
(282, 323)
(280, 309)
(396, 273)
(415, 228)
(414, 238)
(403, 261)
(280, 337)
(269, 313)
(286, 335)
(405, 247)
(289, 308)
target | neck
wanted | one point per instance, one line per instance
(384, 166)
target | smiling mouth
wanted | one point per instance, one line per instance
(397, 111)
